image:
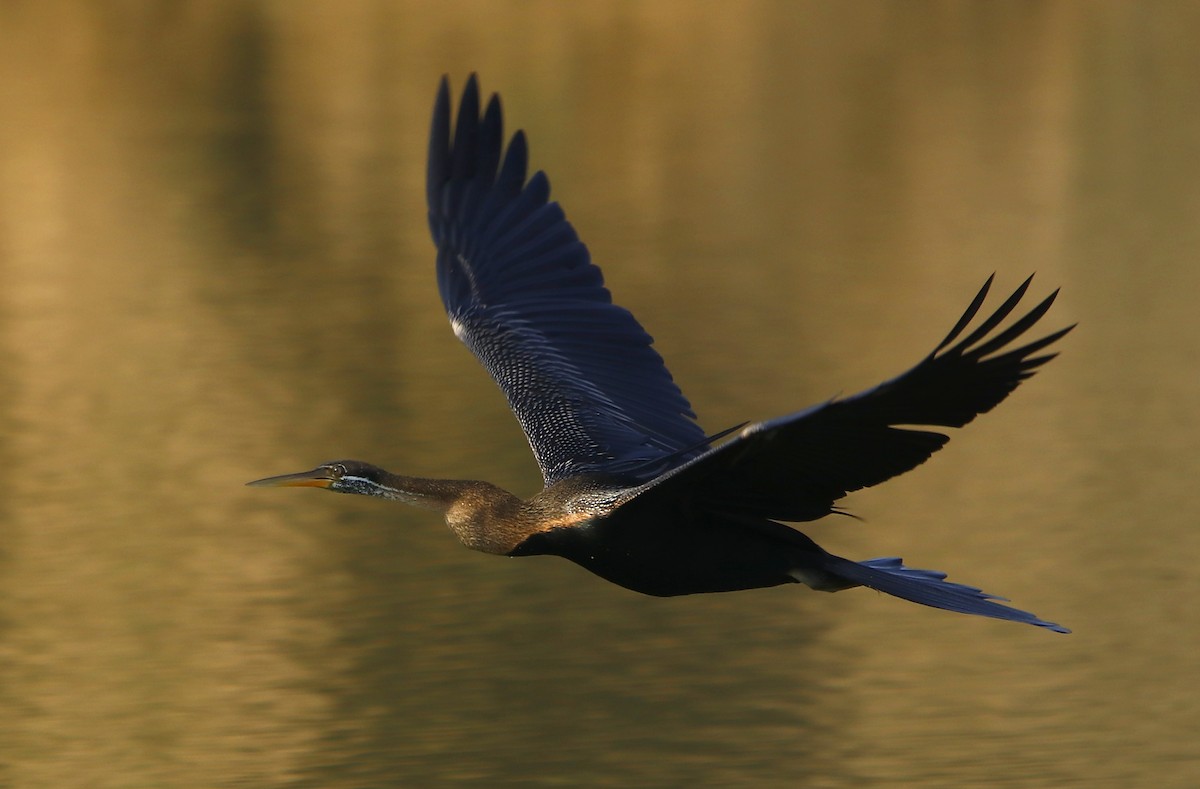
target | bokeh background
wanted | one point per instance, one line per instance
(214, 266)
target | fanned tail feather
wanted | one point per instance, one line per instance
(930, 587)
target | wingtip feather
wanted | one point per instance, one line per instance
(436, 172)
(968, 315)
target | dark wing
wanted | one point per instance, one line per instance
(579, 372)
(795, 467)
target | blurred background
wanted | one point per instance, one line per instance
(214, 266)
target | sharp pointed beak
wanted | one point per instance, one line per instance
(318, 477)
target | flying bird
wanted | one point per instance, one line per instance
(634, 490)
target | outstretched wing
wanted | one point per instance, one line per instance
(579, 372)
(795, 467)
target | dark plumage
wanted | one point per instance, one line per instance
(634, 490)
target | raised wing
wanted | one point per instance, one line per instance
(795, 467)
(579, 372)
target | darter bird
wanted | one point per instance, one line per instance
(634, 490)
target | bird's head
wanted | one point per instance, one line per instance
(340, 476)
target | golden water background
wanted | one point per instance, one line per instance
(214, 266)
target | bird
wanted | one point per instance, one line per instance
(634, 490)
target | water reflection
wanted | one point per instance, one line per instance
(216, 267)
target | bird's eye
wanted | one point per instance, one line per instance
(336, 470)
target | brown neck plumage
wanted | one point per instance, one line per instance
(483, 516)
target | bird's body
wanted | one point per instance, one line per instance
(634, 490)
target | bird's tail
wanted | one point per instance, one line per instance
(929, 587)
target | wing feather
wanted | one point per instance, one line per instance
(796, 467)
(579, 372)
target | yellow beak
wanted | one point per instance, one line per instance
(318, 477)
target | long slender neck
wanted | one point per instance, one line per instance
(430, 494)
(482, 516)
